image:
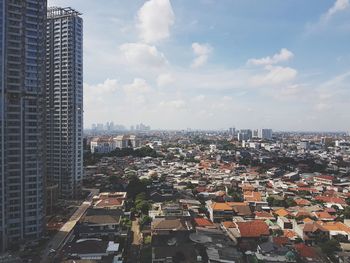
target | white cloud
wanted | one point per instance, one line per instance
(275, 76)
(202, 52)
(109, 85)
(338, 6)
(176, 104)
(139, 54)
(283, 56)
(99, 91)
(165, 80)
(322, 106)
(138, 86)
(137, 93)
(324, 22)
(198, 98)
(155, 18)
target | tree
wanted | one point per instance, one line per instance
(289, 202)
(330, 246)
(147, 240)
(145, 220)
(135, 187)
(347, 200)
(125, 222)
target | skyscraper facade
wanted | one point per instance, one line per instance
(265, 134)
(64, 87)
(22, 119)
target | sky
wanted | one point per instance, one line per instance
(215, 64)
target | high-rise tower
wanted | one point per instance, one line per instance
(64, 82)
(22, 119)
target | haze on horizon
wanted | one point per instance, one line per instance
(212, 64)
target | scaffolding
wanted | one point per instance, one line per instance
(56, 12)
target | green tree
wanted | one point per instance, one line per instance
(145, 220)
(125, 222)
(143, 207)
(330, 246)
(346, 212)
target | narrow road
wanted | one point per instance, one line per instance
(134, 250)
(60, 238)
(135, 228)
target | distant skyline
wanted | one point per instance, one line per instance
(207, 64)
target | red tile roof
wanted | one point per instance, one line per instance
(302, 202)
(252, 196)
(255, 228)
(328, 199)
(325, 177)
(264, 215)
(282, 241)
(202, 222)
(305, 251)
(324, 215)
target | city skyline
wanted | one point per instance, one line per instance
(282, 65)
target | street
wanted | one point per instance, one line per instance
(59, 239)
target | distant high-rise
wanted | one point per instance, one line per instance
(64, 79)
(244, 135)
(265, 134)
(22, 116)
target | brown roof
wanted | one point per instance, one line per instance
(264, 214)
(221, 206)
(242, 210)
(203, 222)
(169, 224)
(328, 199)
(305, 251)
(302, 202)
(106, 202)
(252, 196)
(314, 226)
(282, 241)
(101, 219)
(255, 228)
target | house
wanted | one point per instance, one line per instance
(166, 226)
(203, 223)
(324, 216)
(311, 233)
(324, 179)
(109, 200)
(307, 253)
(100, 223)
(255, 229)
(247, 233)
(92, 249)
(302, 202)
(273, 252)
(281, 212)
(242, 211)
(220, 211)
(337, 228)
(264, 216)
(330, 200)
(168, 210)
(284, 223)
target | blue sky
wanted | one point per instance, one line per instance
(213, 64)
